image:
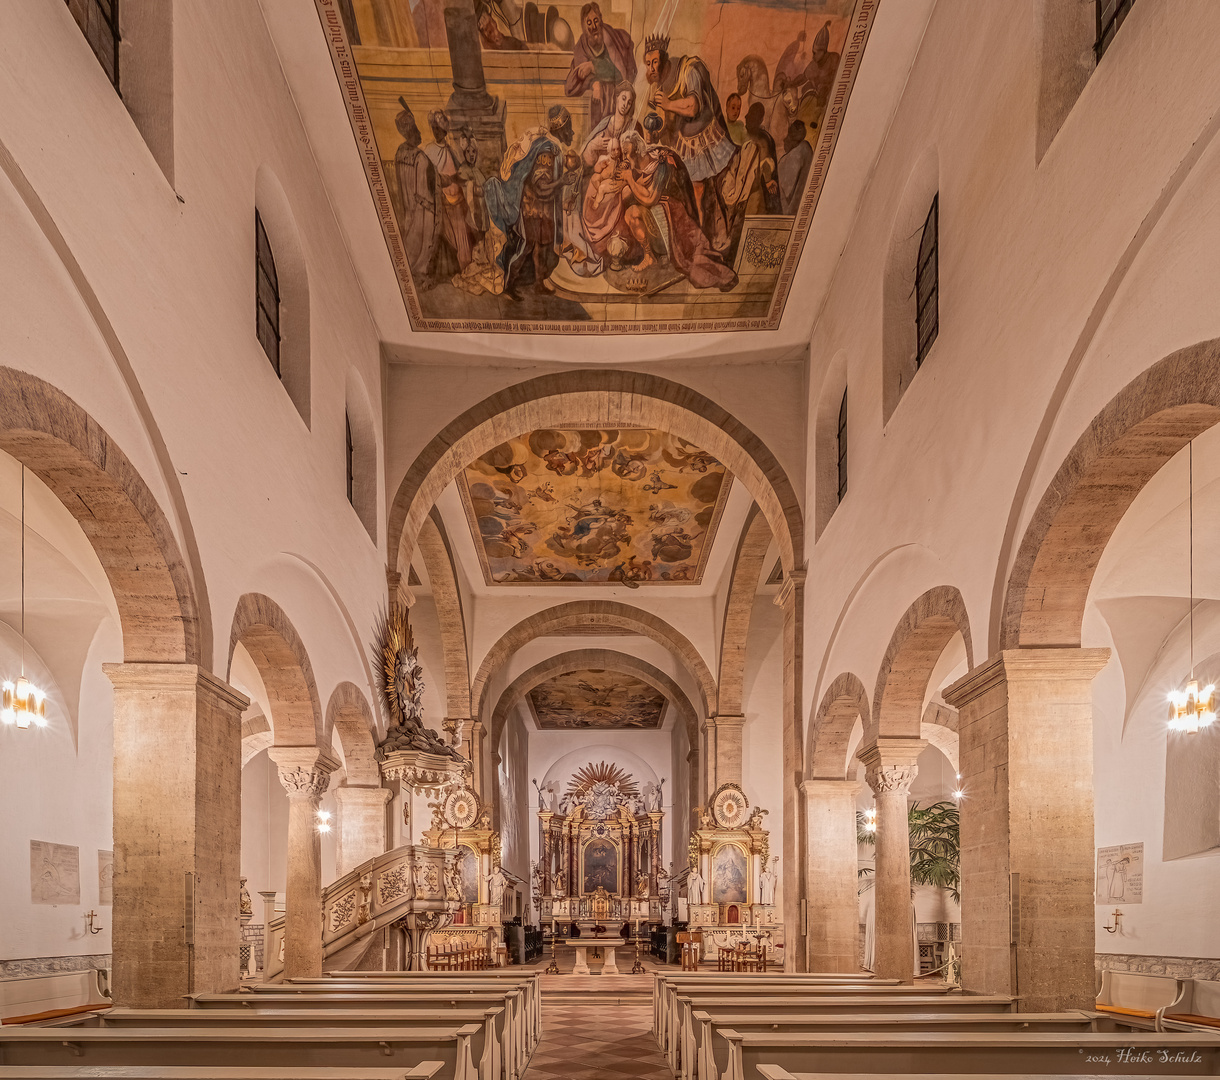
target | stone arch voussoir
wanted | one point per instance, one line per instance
(924, 630)
(349, 715)
(68, 451)
(267, 634)
(438, 560)
(743, 591)
(1145, 425)
(844, 702)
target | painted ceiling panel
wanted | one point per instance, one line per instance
(623, 507)
(647, 168)
(596, 699)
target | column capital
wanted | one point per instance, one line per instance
(729, 721)
(304, 770)
(812, 789)
(363, 796)
(890, 764)
(1026, 665)
(793, 580)
(174, 677)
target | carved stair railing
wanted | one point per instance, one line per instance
(408, 881)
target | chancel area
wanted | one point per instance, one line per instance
(670, 540)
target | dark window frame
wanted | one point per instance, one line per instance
(1110, 16)
(267, 300)
(841, 445)
(350, 451)
(103, 15)
(927, 284)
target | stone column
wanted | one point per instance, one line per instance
(692, 761)
(1025, 730)
(361, 826)
(707, 732)
(728, 749)
(177, 833)
(305, 773)
(833, 906)
(890, 771)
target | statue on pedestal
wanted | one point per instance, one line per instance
(696, 887)
(766, 884)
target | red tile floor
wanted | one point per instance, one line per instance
(597, 1042)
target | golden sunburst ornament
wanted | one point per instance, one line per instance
(602, 773)
(402, 678)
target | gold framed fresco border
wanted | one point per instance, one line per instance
(618, 863)
(744, 847)
(713, 527)
(859, 27)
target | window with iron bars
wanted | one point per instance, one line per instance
(351, 460)
(1110, 16)
(927, 284)
(842, 447)
(99, 22)
(267, 295)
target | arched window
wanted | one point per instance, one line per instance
(266, 295)
(927, 283)
(347, 423)
(1110, 16)
(841, 439)
(99, 22)
(360, 453)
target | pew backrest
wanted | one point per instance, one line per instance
(39, 997)
(1127, 993)
(1199, 1007)
(425, 1070)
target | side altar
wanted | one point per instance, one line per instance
(600, 851)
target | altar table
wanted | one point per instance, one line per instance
(582, 945)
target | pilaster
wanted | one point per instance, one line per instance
(728, 749)
(831, 895)
(361, 825)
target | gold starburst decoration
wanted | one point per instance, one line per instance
(401, 678)
(601, 773)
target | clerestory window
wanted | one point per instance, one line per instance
(1110, 16)
(842, 442)
(927, 284)
(267, 295)
(99, 22)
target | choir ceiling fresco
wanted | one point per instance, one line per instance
(630, 507)
(582, 167)
(596, 699)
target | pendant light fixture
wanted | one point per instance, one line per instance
(23, 702)
(1192, 708)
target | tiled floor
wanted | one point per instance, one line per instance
(597, 1042)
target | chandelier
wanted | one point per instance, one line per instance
(22, 701)
(1192, 708)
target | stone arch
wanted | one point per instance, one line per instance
(586, 613)
(68, 451)
(268, 635)
(844, 702)
(743, 590)
(939, 728)
(578, 660)
(256, 734)
(595, 398)
(438, 560)
(1142, 427)
(349, 716)
(924, 630)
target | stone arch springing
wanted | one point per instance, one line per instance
(256, 734)
(582, 659)
(438, 560)
(587, 613)
(68, 451)
(349, 715)
(1128, 442)
(743, 591)
(595, 398)
(924, 630)
(939, 728)
(844, 703)
(268, 635)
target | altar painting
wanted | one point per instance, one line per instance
(630, 167)
(600, 867)
(623, 506)
(469, 867)
(729, 875)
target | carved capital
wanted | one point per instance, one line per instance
(304, 770)
(891, 779)
(890, 764)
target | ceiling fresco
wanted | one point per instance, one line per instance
(596, 699)
(616, 167)
(634, 507)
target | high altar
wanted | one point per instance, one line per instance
(600, 850)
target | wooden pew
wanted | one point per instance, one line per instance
(258, 1047)
(425, 1070)
(1199, 1008)
(517, 1044)
(682, 1047)
(918, 1052)
(711, 1053)
(488, 1050)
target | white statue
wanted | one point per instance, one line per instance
(766, 884)
(696, 887)
(653, 795)
(495, 887)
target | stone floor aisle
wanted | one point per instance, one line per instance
(597, 1042)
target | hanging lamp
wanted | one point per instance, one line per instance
(1192, 708)
(23, 702)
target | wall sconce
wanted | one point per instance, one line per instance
(89, 917)
(1117, 918)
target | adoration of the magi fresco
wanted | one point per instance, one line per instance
(596, 699)
(642, 165)
(629, 506)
